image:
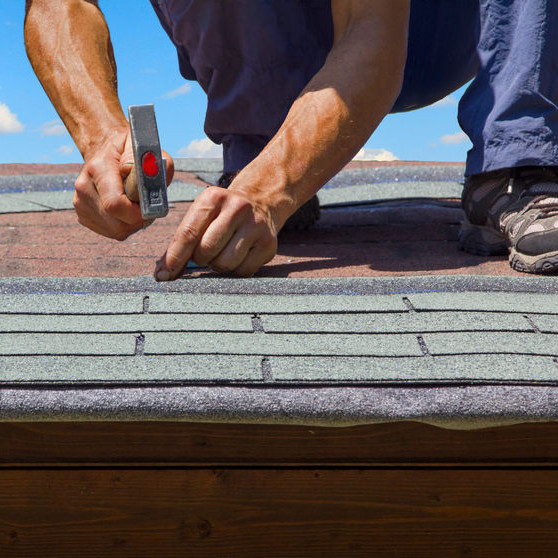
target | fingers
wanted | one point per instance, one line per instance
(100, 202)
(243, 257)
(170, 167)
(113, 201)
(221, 230)
(190, 231)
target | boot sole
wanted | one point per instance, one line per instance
(481, 241)
(543, 264)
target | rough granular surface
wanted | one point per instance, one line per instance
(373, 315)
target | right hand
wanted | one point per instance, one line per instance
(99, 200)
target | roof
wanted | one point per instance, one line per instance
(371, 316)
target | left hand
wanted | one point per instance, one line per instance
(224, 230)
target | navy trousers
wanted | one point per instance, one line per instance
(253, 58)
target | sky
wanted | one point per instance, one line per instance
(31, 131)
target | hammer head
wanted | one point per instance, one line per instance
(150, 167)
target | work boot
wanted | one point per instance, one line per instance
(515, 211)
(303, 218)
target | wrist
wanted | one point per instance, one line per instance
(92, 141)
(268, 191)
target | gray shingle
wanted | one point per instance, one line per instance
(279, 344)
(503, 302)
(70, 344)
(201, 164)
(495, 368)
(19, 203)
(129, 369)
(123, 323)
(389, 191)
(183, 191)
(546, 323)
(404, 322)
(77, 303)
(268, 303)
(489, 342)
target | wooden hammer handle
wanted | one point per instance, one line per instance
(131, 186)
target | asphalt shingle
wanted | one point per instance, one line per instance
(404, 322)
(316, 337)
(34, 343)
(281, 344)
(128, 370)
(256, 304)
(453, 350)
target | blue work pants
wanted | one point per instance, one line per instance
(254, 57)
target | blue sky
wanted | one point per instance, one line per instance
(31, 132)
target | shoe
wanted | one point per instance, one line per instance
(513, 211)
(303, 218)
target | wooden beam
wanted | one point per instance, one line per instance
(278, 512)
(190, 444)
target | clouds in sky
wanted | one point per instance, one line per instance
(370, 154)
(65, 149)
(9, 123)
(448, 101)
(199, 148)
(53, 128)
(454, 139)
(182, 90)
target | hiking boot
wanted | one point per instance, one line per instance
(515, 211)
(303, 218)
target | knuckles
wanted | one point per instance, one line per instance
(186, 233)
(111, 205)
(121, 234)
(94, 167)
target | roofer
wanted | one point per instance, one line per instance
(295, 88)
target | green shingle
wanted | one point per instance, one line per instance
(122, 323)
(280, 344)
(404, 322)
(256, 304)
(489, 342)
(130, 369)
(482, 301)
(389, 191)
(496, 368)
(66, 344)
(546, 323)
(71, 304)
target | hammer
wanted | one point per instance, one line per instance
(147, 182)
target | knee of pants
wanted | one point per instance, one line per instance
(441, 52)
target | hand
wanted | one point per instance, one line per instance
(223, 230)
(99, 200)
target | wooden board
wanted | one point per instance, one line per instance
(278, 512)
(187, 444)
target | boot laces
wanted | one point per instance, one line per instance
(542, 185)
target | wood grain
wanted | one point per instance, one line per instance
(174, 443)
(284, 513)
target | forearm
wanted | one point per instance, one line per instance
(331, 120)
(69, 47)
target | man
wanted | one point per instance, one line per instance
(295, 88)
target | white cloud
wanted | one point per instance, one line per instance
(9, 124)
(182, 90)
(448, 101)
(201, 148)
(369, 154)
(65, 149)
(454, 139)
(53, 128)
